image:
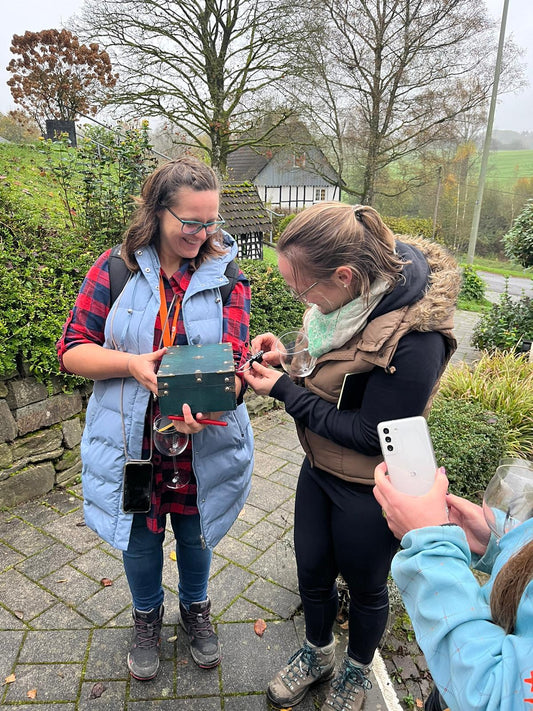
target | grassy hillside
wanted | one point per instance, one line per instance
(505, 167)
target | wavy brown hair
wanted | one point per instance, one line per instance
(161, 189)
(509, 587)
(329, 235)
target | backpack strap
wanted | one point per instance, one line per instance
(119, 275)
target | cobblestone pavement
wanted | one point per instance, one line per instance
(64, 634)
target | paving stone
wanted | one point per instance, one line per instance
(278, 564)
(98, 564)
(227, 585)
(268, 495)
(296, 456)
(107, 602)
(282, 517)
(263, 535)
(265, 464)
(238, 551)
(242, 610)
(239, 528)
(250, 661)
(46, 561)
(9, 557)
(9, 621)
(20, 594)
(112, 698)
(72, 530)
(60, 617)
(24, 538)
(54, 646)
(107, 655)
(280, 601)
(54, 682)
(10, 643)
(251, 514)
(195, 704)
(63, 502)
(246, 703)
(69, 585)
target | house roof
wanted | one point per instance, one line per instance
(246, 163)
(242, 209)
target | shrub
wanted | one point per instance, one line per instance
(473, 286)
(505, 325)
(503, 384)
(273, 307)
(282, 224)
(519, 240)
(410, 226)
(468, 442)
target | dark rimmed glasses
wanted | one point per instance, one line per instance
(192, 227)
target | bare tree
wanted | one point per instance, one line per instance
(198, 64)
(55, 76)
(391, 77)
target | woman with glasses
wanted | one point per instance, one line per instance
(379, 324)
(177, 256)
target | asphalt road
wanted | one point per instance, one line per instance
(517, 285)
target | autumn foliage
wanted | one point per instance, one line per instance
(56, 77)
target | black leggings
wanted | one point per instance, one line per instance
(339, 528)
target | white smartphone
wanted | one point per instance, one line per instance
(408, 453)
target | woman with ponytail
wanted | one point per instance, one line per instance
(477, 639)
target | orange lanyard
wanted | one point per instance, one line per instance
(169, 332)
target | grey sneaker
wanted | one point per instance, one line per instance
(309, 666)
(204, 646)
(347, 691)
(143, 657)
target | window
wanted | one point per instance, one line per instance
(320, 194)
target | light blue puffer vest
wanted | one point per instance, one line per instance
(222, 456)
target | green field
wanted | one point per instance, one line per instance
(505, 167)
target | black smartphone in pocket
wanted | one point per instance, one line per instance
(137, 486)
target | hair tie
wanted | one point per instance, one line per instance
(358, 212)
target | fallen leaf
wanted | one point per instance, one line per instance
(31, 694)
(97, 690)
(10, 679)
(62, 580)
(172, 639)
(106, 582)
(344, 625)
(259, 627)
(19, 614)
(172, 555)
(419, 703)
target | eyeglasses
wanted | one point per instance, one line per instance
(299, 296)
(192, 227)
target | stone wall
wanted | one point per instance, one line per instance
(40, 434)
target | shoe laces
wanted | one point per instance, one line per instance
(146, 633)
(303, 663)
(199, 623)
(348, 683)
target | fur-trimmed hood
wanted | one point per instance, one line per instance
(431, 290)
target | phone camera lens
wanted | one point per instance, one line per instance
(386, 430)
(388, 439)
(390, 447)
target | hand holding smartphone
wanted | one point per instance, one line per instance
(408, 452)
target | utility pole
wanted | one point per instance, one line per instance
(488, 138)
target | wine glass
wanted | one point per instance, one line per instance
(508, 498)
(293, 351)
(169, 441)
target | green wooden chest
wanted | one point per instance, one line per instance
(202, 376)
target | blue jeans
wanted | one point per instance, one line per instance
(143, 562)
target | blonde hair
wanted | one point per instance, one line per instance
(328, 235)
(160, 190)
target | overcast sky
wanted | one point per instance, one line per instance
(514, 112)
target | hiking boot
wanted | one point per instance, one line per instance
(204, 646)
(347, 691)
(143, 657)
(309, 666)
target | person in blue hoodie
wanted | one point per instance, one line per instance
(477, 639)
(379, 324)
(177, 255)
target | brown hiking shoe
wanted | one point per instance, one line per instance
(347, 691)
(309, 666)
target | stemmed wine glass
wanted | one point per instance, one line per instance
(170, 442)
(293, 351)
(508, 498)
